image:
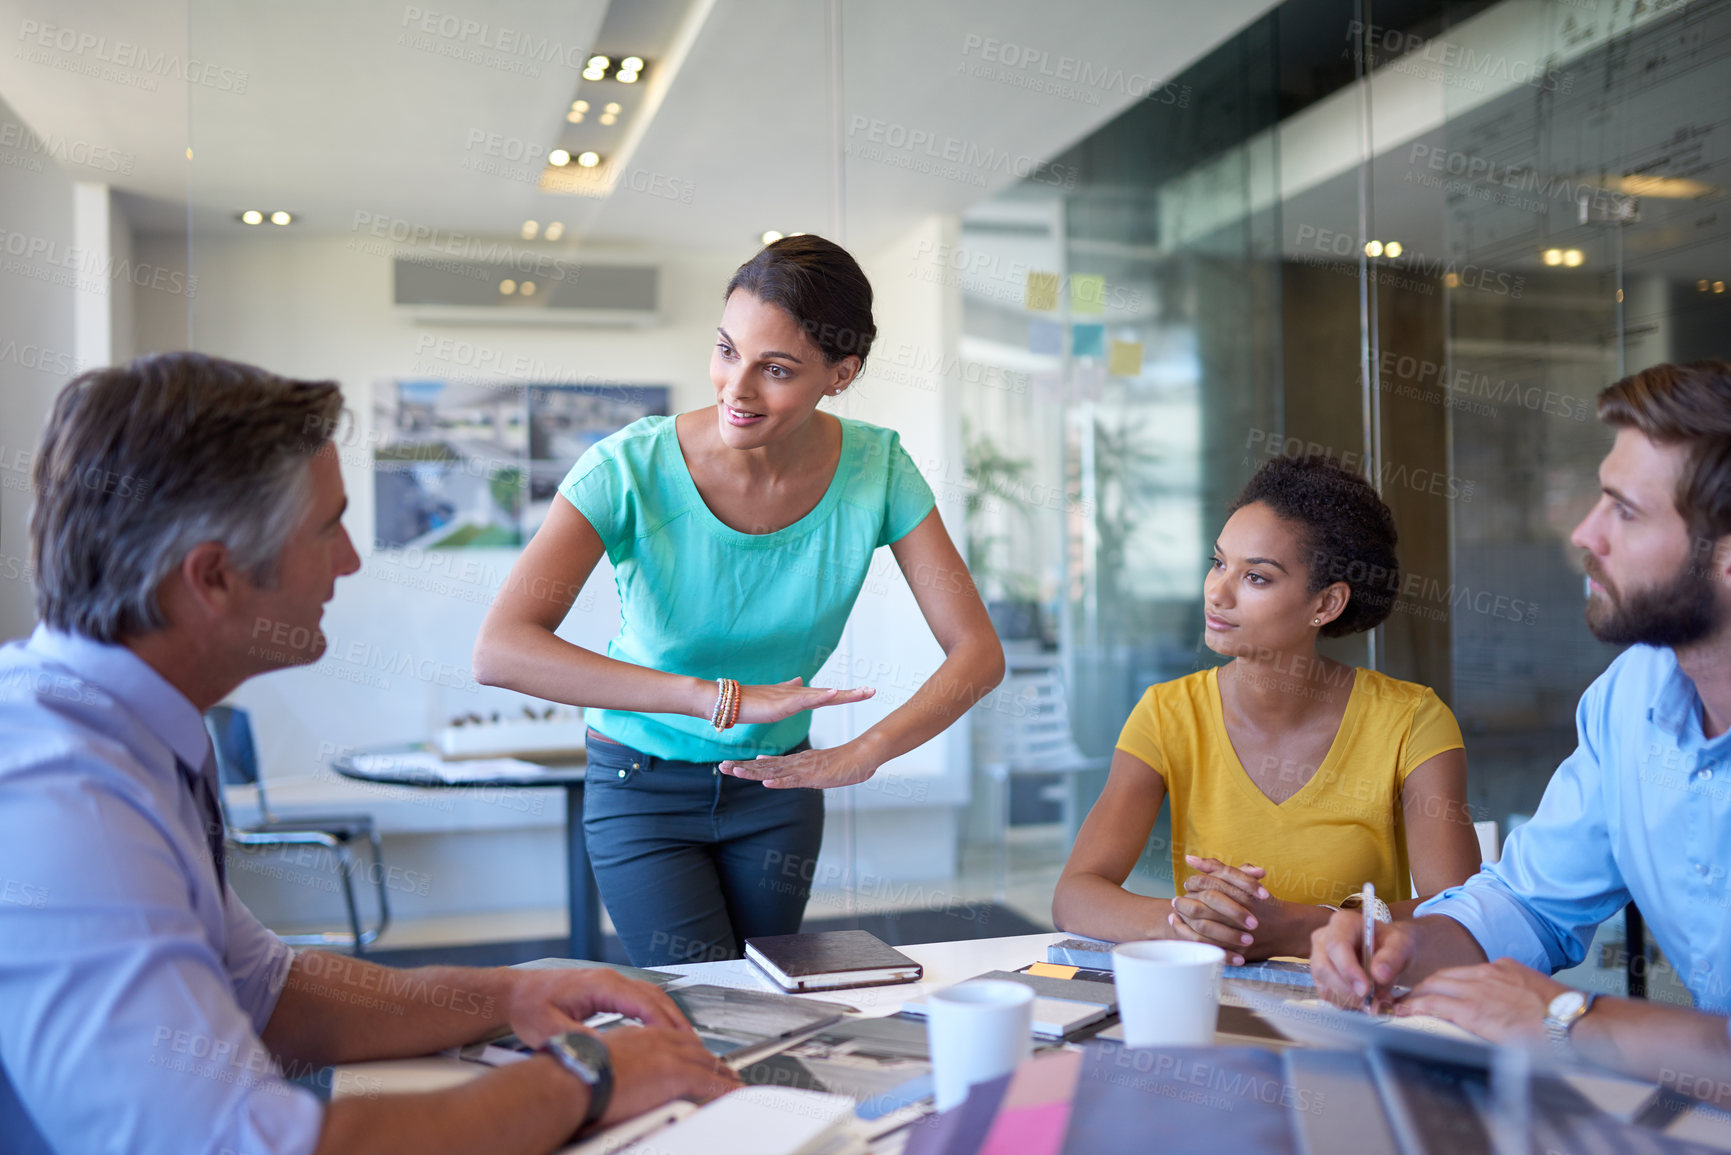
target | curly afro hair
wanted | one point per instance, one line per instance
(1346, 531)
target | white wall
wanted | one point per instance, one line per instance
(37, 347)
(319, 307)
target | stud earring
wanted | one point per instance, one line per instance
(1316, 621)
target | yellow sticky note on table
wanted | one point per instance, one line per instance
(1042, 294)
(1087, 294)
(1052, 970)
(1124, 359)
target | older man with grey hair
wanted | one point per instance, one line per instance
(180, 501)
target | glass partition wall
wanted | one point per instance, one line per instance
(1120, 262)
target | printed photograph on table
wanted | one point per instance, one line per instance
(464, 466)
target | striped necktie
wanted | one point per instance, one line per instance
(203, 786)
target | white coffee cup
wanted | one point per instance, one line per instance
(977, 1030)
(1168, 992)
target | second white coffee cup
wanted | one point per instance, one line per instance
(1168, 992)
(977, 1030)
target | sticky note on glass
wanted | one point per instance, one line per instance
(1087, 294)
(1125, 359)
(1042, 296)
(1088, 340)
(1045, 337)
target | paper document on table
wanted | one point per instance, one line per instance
(424, 763)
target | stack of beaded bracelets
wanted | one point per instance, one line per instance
(726, 711)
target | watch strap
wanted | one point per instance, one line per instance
(593, 1067)
(1558, 1029)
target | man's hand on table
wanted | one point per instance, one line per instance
(544, 1003)
(655, 1065)
(1336, 967)
(1502, 1001)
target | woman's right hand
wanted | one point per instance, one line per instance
(784, 699)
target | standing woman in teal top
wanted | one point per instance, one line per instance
(740, 536)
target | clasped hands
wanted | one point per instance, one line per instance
(1229, 907)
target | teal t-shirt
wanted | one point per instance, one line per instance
(702, 599)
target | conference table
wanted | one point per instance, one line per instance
(409, 766)
(945, 963)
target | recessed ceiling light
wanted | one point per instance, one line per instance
(1718, 286)
(528, 289)
(1393, 249)
(594, 74)
(1573, 258)
(507, 286)
(558, 158)
(280, 218)
(632, 64)
(612, 106)
(579, 106)
(254, 217)
(625, 77)
(555, 230)
(1452, 280)
(1702, 286)
(771, 236)
(1552, 256)
(599, 61)
(588, 159)
(530, 228)
(608, 119)
(574, 117)
(1373, 248)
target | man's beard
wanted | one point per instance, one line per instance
(1676, 613)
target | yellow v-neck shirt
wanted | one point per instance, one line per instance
(1343, 828)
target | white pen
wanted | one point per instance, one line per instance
(1367, 898)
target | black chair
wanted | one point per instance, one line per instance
(237, 765)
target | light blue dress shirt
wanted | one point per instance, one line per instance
(1641, 810)
(132, 995)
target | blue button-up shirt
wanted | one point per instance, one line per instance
(1641, 810)
(132, 995)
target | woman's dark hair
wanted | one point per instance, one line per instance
(819, 285)
(1346, 531)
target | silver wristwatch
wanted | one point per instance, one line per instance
(1563, 1013)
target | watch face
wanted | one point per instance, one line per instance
(587, 1052)
(1566, 1005)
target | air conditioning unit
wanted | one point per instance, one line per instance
(528, 289)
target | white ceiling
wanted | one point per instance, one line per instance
(345, 109)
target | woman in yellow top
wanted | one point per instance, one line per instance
(1316, 777)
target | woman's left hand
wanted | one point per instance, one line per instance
(811, 769)
(1276, 927)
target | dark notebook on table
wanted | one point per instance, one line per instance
(831, 960)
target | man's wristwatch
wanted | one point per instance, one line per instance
(1563, 1013)
(586, 1057)
(1380, 911)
